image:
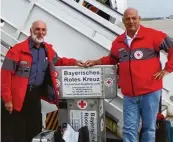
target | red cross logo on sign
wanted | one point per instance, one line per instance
(108, 81)
(138, 54)
(57, 83)
(56, 74)
(102, 125)
(82, 104)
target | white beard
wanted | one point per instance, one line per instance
(35, 39)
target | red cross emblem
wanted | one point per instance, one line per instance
(138, 54)
(108, 81)
(58, 83)
(82, 104)
(56, 74)
(102, 125)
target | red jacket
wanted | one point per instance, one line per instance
(139, 62)
(16, 70)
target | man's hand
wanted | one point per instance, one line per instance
(159, 75)
(91, 63)
(79, 63)
(9, 106)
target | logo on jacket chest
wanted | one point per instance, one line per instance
(138, 54)
(24, 63)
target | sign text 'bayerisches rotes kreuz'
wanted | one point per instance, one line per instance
(80, 118)
(85, 82)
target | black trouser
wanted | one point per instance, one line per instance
(6, 125)
(27, 123)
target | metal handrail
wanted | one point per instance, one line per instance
(9, 40)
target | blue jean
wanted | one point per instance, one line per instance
(144, 106)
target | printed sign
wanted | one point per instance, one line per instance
(79, 118)
(82, 104)
(85, 82)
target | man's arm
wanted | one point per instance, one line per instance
(109, 60)
(166, 44)
(7, 70)
(106, 60)
(63, 61)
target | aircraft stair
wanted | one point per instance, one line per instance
(75, 31)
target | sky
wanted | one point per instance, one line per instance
(152, 8)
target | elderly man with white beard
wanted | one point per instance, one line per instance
(27, 75)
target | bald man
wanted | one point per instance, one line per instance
(140, 74)
(27, 75)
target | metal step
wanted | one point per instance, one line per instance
(111, 137)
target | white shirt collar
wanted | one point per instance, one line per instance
(128, 38)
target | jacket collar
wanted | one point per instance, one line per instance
(139, 35)
(26, 45)
(26, 48)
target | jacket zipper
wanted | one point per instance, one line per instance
(130, 71)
